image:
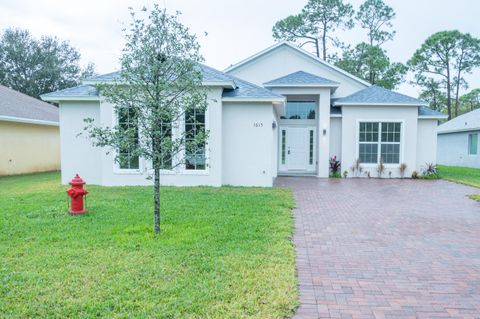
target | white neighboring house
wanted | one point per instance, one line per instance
(282, 111)
(458, 141)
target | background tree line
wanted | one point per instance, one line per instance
(37, 66)
(438, 66)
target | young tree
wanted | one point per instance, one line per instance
(376, 17)
(446, 56)
(35, 67)
(373, 65)
(158, 92)
(315, 24)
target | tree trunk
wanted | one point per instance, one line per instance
(156, 210)
(317, 47)
(458, 85)
(324, 43)
(449, 95)
(456, 98)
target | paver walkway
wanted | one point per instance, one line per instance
(369, 248)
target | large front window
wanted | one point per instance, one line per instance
(127, 122)
(300, 110)
(195, 144)
(379, 140)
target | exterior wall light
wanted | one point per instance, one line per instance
(274, 125)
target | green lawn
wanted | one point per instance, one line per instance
(223, 252)
(463, 175)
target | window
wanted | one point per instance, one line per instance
(300, 110)
(310, 161)
(284, 133)
(379, 141)
(194, 150)
(127, 122)
(472, 144)
(368, 145)
(390, 143)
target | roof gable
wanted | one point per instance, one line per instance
(375, 95)
(299, 50)
(466, 122)
(301, 78)
(16, 105)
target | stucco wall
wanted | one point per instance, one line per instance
(285, 60)
(427, 143)
(178, 176)
(28, 148)
(351, 115)
(453, 150)
(77, 153)
(248, 144)
(336, 137)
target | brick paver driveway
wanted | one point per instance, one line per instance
(386, 248)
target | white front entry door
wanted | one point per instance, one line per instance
(297, 149)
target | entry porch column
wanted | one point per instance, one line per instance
(323, 136)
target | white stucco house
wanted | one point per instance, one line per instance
(281, 111)
(458, 141)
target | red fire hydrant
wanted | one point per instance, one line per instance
(77, 193)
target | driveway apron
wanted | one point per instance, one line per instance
(370, 248)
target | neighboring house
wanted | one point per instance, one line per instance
(29, 134)
(458, 141)
(282, 111)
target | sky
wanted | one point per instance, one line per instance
(236, 29)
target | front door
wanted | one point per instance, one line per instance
(297, 149)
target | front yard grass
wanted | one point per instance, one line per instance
(223, 252)
(464, 175)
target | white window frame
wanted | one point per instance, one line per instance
(469, 137)
(379, 152)
(116, 166)
(146, 166)
(206, 171)
(293, 100)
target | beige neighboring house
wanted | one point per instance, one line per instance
(29, 134)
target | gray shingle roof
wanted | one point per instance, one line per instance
(378, 95)
(425, 111)
(243, 88)
(301, 77)
(105, 77)
(212, 75)
(19, 105)
(466, 122)
(76, 91)
(209, 75)
(246, 89)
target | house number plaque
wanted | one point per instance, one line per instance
(257, 124)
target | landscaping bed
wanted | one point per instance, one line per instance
(223, 252)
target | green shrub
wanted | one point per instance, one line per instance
(335, 175)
